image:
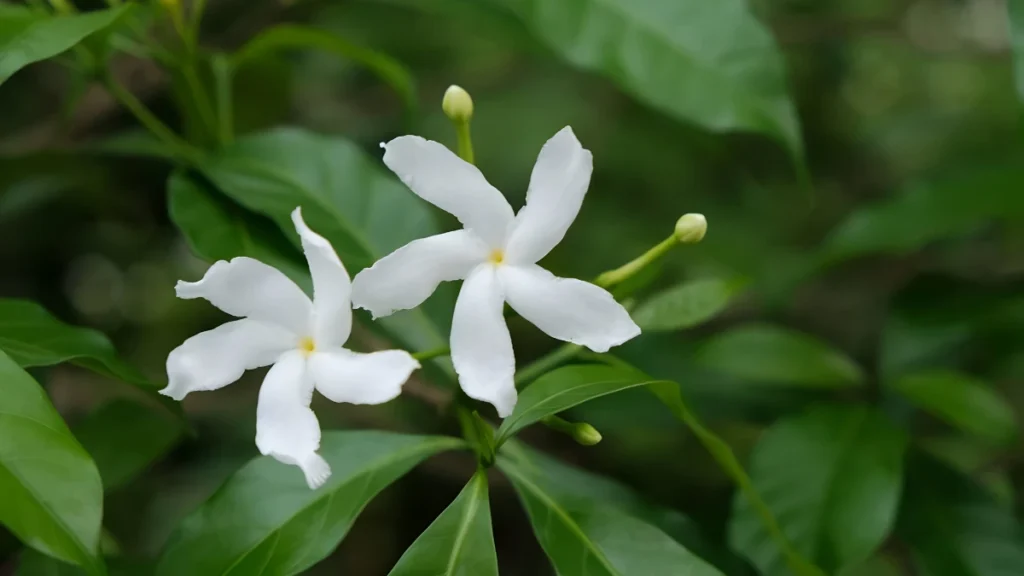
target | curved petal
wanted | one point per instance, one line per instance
(558, 184)
(440, 177)
(481, 345)
(215, 358)
(332, 289)
(409, 275)
(286, 427)
(345, 376)
(251, 289)
(567, 309)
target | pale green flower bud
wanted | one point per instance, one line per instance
(586, 434)
(691, 228)
(457, 104)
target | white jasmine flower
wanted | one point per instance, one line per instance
(496, 255)
(302, 339)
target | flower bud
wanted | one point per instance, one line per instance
(691, 228)
(586, 434)
(457, 104)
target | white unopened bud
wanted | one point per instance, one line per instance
(457, 104)
(691, 228)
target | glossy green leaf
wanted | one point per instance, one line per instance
(611, 493)
(670, 395)
(586, 536)
(929, 212)
(216, 229)
(27, 36)
(290, 36)
(52, 494)
(771, 354)
(832, 477)
(459, 542)
(125, 437)
(31, 336)
(1016, 13)
(364, 212)
(961, 400)
(686, 305)
(32, 563)
(709, 63)
(564, 388)
(954, 527)
(266, 520)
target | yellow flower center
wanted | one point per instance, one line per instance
(307, 345)
(497, 256)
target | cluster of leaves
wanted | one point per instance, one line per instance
(840, 484)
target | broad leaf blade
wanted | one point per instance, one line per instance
(833, 478)
(963, 401)
(33, 337)
(27, 37)
(266, 520)
(954, 527)
(686, 305)
(1016, 12)
(124, 438)
(585, 536)
(459, 542)
(929, 212)
(52, 494)
(709, 63)
(770, 354)
(564, 388)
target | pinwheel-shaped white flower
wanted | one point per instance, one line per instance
(301, 338)
(496, 254)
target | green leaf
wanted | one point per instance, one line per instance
(961, 400)
(771, 354)
(124, 438)
(33, 337)
(611, 493)
(564, 388)
(686, 305)
(266, 520)
(459, 542)
(929, 212)
(1016, 13)
(833, 478)
(954, 527)
(290, 36)
(586, 536)
(27, 36)
(670, 395)
(52, 494)
(709, 63)
(217, 229)
(344, 196)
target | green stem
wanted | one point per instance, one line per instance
(546, 363)
(628, 270)
(430, 354)
(63, 6)
(195, 20)
(149, 120)
(223, 77)
(465, 141)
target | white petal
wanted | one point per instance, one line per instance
(481, 346)
(567, 309)
(440, 177)
(286, 428)
(557, 186)
(215, 358)
(249, 288)
(332, 289)
(409, 275)
(345, 376)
